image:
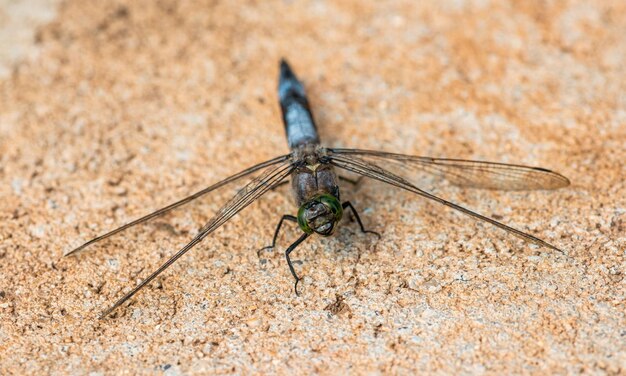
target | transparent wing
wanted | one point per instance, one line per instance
(244, 197)
(465, 173)
(182, 202)
(365, 168)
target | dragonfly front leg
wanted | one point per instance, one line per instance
(287, 252)
(285, 217)
(347, 204)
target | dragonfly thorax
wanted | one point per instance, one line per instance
(320, 214)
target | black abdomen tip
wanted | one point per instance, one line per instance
(288, 83)
(285, 70)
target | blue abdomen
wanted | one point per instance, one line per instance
(297, 117)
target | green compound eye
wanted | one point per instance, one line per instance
(328, 201)
(333, 204)
(304, 225)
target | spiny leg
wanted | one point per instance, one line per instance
(287, 252)
(277, 185)
(347, 204)
(280, 223)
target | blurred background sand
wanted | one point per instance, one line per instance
(110, 109)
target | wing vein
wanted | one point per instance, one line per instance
(244, 197)
(466, 173)
(179, 203)
(373, 171)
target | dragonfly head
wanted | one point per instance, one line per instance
(320, 214)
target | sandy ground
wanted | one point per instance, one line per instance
(118, 108)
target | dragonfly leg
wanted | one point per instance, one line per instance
(348, 204)
(351, 181)
(285, 217)
(287, 252)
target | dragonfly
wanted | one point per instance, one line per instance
(312, 168)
